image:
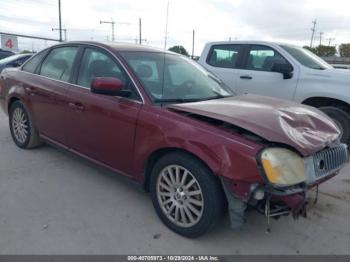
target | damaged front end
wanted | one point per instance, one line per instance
(288, 178)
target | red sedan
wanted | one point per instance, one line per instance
(165, 122)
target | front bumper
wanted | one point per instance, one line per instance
(291, 200)
(320, 167)
(275, 201)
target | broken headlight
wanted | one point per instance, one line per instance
(283, 167)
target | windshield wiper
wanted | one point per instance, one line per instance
(216, 97)
(188, 100)
(176, 100)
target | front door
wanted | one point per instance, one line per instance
(257, 77)
(102, 127)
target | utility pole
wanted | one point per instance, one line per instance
(112, 23)
(321, 34)
(166, 26)
(62, 29)
(313, 29)
(140, 31)
(60, 19)
(193, 33)
(330, 40)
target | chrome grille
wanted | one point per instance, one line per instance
(330, 160)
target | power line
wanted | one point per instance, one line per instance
(140, 31)
(59, 20)
(111, 23)
(166, 26)
(330, 40)
(62, 29)
(313, 29)
(321, 34)
(193, 34)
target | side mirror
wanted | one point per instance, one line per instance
(285, 69)
(109, 86)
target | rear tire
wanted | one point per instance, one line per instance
(23, 133)
(341, 119)
(186, 195)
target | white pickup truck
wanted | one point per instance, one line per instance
(283, 71)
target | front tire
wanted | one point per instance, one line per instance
(23, 133)
(187, 197)
(341, 119)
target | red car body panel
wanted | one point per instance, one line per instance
(230, 156)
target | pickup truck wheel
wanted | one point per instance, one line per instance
(342, 120)
(23, 133)
(187, 197)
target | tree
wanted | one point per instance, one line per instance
(179, 49)
(322, 50)
(26, 52)
(344, 50)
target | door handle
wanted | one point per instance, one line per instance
(246, 77)
(76, 106)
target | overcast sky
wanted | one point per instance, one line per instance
(273, 20)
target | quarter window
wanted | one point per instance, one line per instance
(58, 64)
(262, 58)
(33, 63)
(224, 56)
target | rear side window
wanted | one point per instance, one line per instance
(58, 64)
(225, 56)
(262, 58)
(33, 63)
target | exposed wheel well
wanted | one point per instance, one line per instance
(325, 101)
(157, 155)
(12, 100)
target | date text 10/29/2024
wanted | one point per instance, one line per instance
(173, 258)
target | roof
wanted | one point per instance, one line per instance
(251, 42)
(116, 47)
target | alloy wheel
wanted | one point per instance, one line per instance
(20, 125)
(180, 196)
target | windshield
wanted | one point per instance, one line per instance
(306, 58)
(174, 78)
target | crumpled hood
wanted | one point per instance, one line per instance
(304, 128)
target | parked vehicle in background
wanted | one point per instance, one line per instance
(162, 120)
(5, 53)
(282, 71)
(14, 61)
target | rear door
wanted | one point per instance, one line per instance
(48, 91)
(224, 61)
(256, 76)
(102, 127)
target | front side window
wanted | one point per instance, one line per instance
(58, 64)
(224, 56)
(96, 63)
(306, 58)
(169, 77)
(262, 58)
